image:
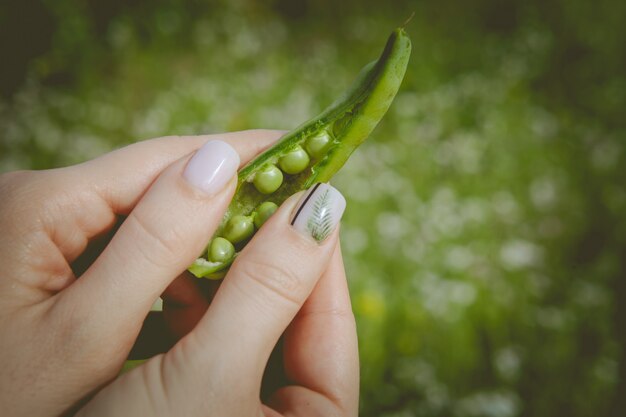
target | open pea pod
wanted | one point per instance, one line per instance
(311, 153)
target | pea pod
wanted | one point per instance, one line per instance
(313, 152)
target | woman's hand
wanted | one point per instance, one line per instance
(63, 339)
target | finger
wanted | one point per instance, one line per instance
(320, 348)
(58, 212)
(82, 201)
(163, 234)
(269, 282)
(122, 175)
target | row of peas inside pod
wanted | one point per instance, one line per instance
(240, 228)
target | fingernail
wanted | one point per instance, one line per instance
(319, 211)
(212, 166)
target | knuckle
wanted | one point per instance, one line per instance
(80, 339)
(27, 184)
(12, 182)
(11, 177)
(159, 245)
(340, 313)
(276, 280)
(17, 188)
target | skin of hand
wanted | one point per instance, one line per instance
(63, 340)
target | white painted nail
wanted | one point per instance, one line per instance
(212, 166)
(319, 211)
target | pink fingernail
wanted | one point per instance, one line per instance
(212, 166)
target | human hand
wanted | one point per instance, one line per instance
(63, 339)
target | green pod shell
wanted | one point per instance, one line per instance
(329, 139)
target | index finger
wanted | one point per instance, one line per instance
(82, 201)
(123, 175)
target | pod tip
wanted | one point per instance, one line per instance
(407, 21)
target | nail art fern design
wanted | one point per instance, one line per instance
(320, 223)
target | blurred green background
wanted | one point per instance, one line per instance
(485, 238)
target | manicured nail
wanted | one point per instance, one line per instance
(212, 166)
(319, 211)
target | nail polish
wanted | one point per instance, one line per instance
(212, 166)
(319, 211)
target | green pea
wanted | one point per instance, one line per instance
(238, 228)
(263, 212)
(295, 161)
(268, 179)
(317, 145)
(221, 250)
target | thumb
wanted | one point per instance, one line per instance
(162, 235)
(270, 280)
